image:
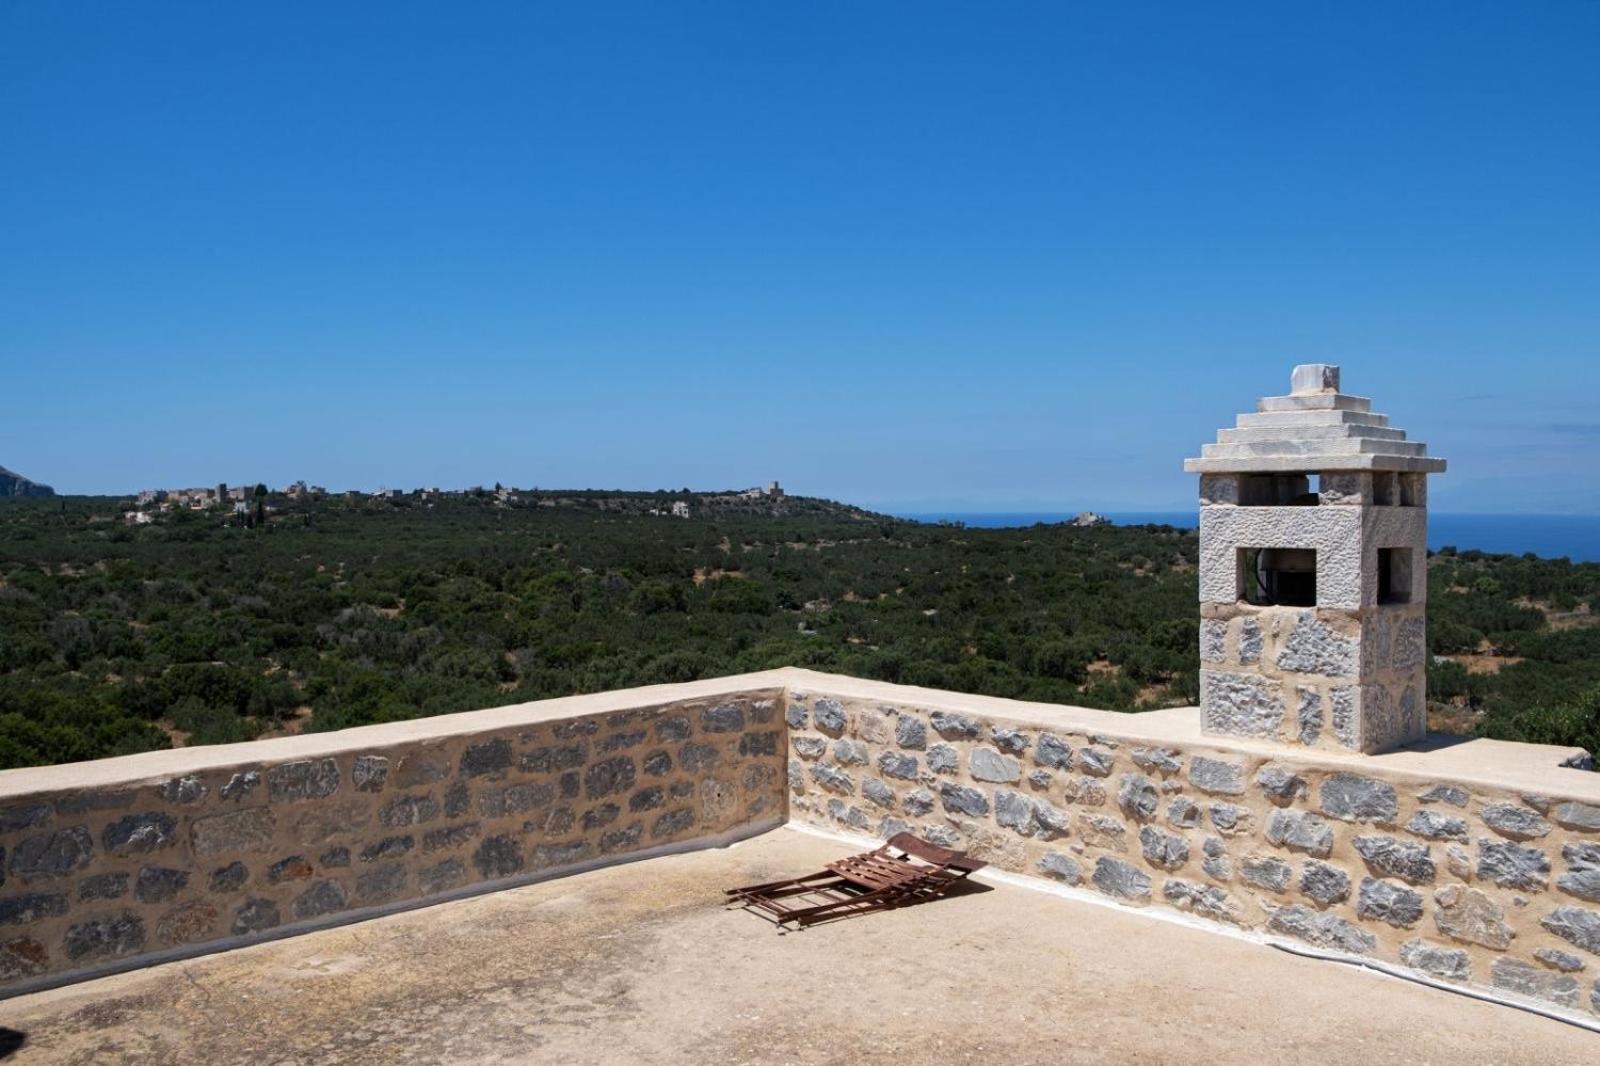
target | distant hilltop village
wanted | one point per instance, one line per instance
(253, 504)
(14, 484)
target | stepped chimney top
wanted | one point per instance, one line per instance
(1314, 428)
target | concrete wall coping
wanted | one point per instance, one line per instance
(1490, 763)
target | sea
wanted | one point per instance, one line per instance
(1552, 536)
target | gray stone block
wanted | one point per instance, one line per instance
(1454, 795)
(959, 799)
(1249, 641)
(1060, 867)
(183, 790)
(1237, 704)
(1452, 964)
(1095, 762)
(1102, 831)
(1215, 861)
(1582, 877)
(828, 716)
(324, 897)
(1217, 777)
(1513, 866)
(304, 780)
(723, 718)
(1138, 797)
(1436, 826)
(1053, 752)
(1352, 798)
(408, 810)
(612, 776)
(1052, 821)
(1084, 790)
(1322, 930)
(1323, 883)
(943, 759)
(953, 726)
(852, 816)
(986, 764)
(1121, 879)
(1232, 820)
(31, 907)
(1388, 857)
(382, 884)
(1309, 716)
(1385, 901)
(1512, 975)
(1014, 741)
(1471, 916)
(1164, 851)
(1279, 785)
(157, 884)
(1208, 901)
(918, 802)
(56, 854)
(1583, 817)
(369, 773)
(1575, 925)
(1014, 811)
(1314, 647)
(848, 752)
(911, 733)
(254, 916)
(1182, 813)
(833, 779)
(1157, 760)
(229, 878)
(1266, 872)
(105, 938)
(898, 764)
(140, 834)
(1560, 961)
(1300, 831)
(105, 886)
(1514, 822)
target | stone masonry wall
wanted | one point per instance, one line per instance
(92, 878)
(1299, 675)
(1459, 882)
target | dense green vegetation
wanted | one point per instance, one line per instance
(319, 615)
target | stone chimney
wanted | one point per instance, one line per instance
(1313, 572)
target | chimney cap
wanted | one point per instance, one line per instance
(1313, 378)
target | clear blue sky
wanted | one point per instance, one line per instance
(916, 255)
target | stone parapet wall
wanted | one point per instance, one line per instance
(1475, 862)
(112, 863)
(1449, 875)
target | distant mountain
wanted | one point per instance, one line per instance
(12, 484)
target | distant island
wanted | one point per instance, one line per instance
(14, 484)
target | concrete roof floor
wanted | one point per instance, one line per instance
(640, 963)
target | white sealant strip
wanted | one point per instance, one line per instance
(1189, 921)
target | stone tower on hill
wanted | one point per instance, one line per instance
(1313, 572)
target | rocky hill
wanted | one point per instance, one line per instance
(14, 484)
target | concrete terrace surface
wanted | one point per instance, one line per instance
(640, 962)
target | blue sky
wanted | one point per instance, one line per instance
(924, 256)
